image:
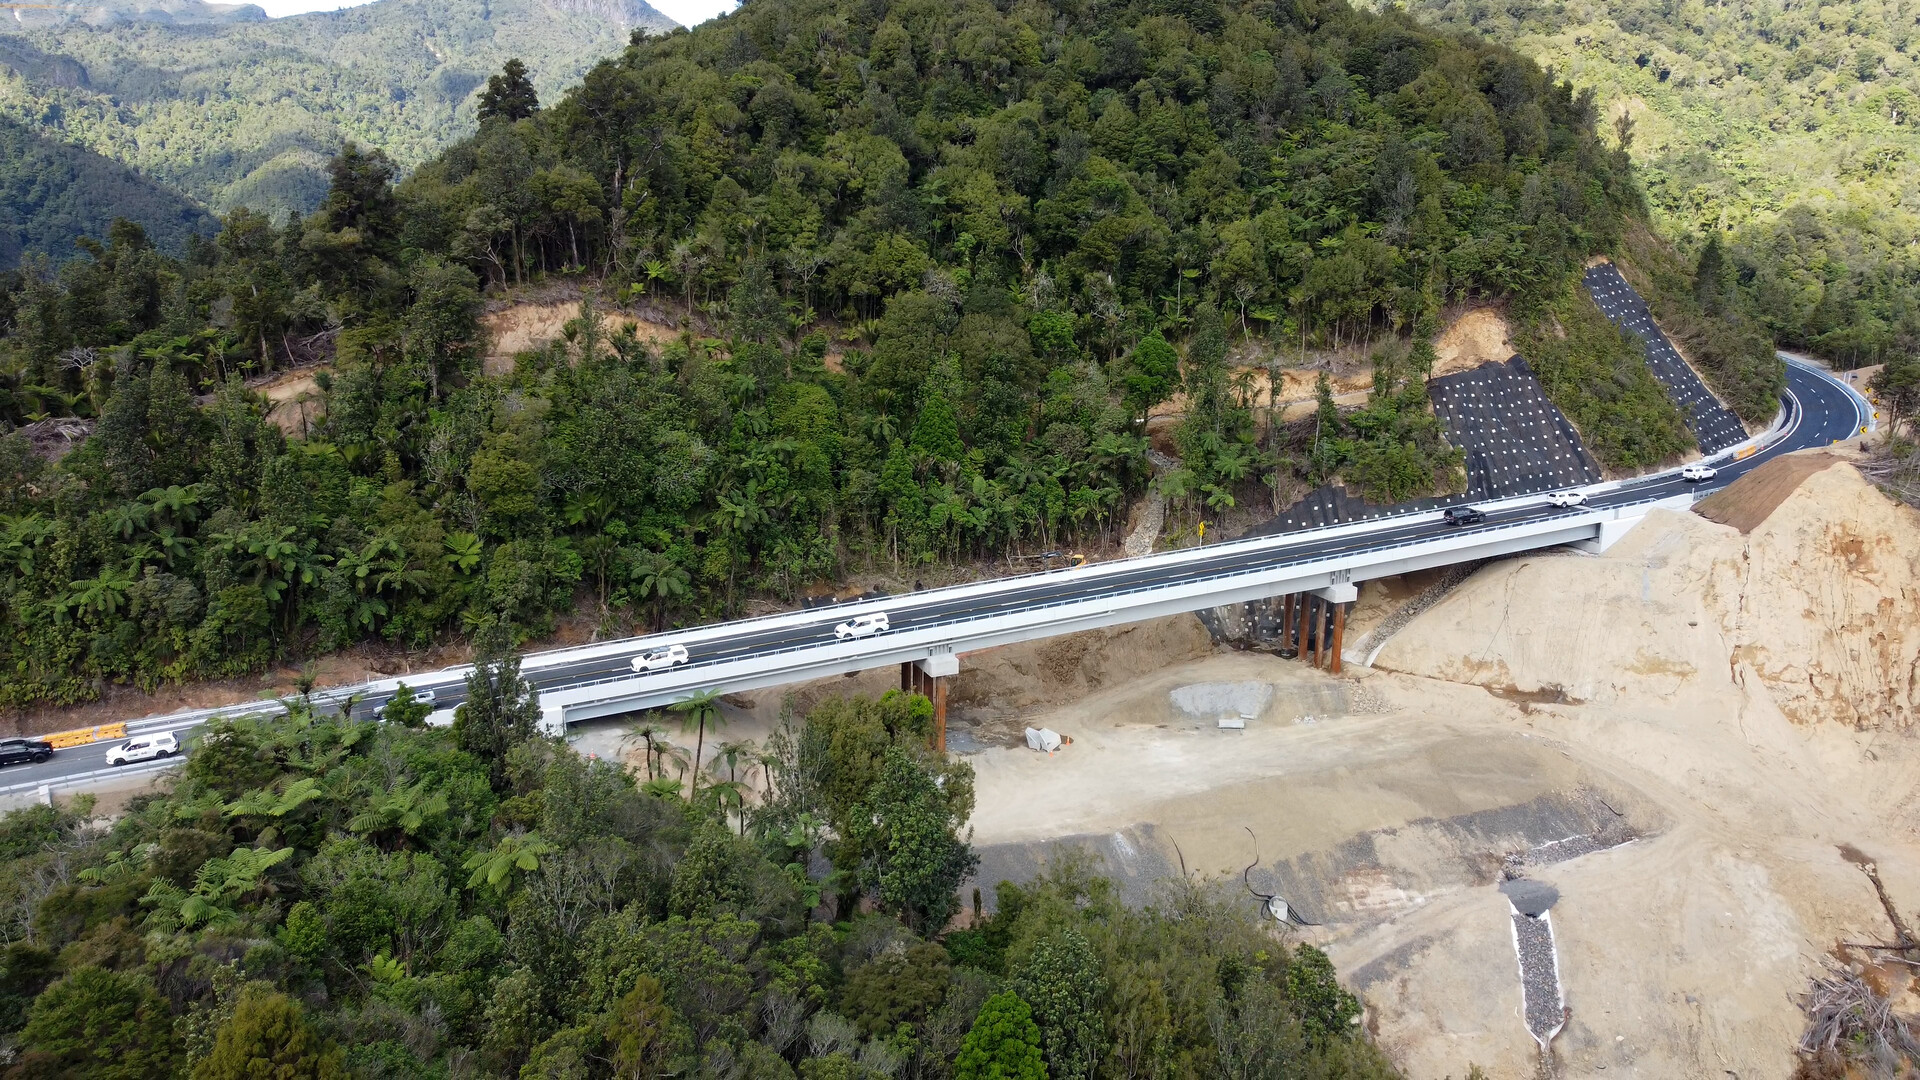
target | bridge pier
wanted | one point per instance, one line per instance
(1316, 618)
(1339, 631)
(1330, 621)
(929, 678)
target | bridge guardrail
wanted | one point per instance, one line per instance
(1558, 522)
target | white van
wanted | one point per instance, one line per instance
(862, 626)
(664, 657)
(144, 748)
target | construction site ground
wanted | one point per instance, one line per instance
(1678, 736)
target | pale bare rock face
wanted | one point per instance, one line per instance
(1836, 636)
(1759, 689)
(1820, 604)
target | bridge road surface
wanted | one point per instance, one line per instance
(1820, 413)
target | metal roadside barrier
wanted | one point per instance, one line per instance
(44, 788)
(1265, 555)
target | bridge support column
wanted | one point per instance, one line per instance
(553, 721)
(1286, 621)
(1336, 596)
(1339, 631)
(1316, 617)
(929, 678)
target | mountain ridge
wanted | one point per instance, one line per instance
(246, 112)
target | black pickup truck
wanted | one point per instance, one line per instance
(18, 751)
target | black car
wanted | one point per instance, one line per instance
(1465, 515)
(16, 751)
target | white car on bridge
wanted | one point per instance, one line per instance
(144, 748)
(660, 659)
(862, 626)
(1565, 498)
(1697, 472)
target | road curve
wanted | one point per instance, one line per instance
(1820, 411)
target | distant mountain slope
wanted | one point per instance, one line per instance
(97, 13)
(51, 193)
(233, 109)
(1791, 131)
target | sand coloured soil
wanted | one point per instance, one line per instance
(1819, 604)
(296, 400)
(1477, 337)
(1648, 682)
(522, 327)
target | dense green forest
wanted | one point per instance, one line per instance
(319, 897)
(1788, 131)
(248, 112)
(51, 195)
(1036, 224)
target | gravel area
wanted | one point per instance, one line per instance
(1147, 533)
(1529, 897)
(1209, 701)
(1539, 976)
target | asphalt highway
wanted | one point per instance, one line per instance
(1820, 412)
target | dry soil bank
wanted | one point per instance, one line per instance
(1677, 735)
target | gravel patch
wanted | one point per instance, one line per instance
(1210, 701)
(1530, 897)
(1539, 974)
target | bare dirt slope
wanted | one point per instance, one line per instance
(1677, 736)
(1819, 603)
(1477, 337)
(521, 327)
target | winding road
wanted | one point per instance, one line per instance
(1819, 411)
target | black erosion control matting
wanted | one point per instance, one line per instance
(1713, 425)
(1516, 443)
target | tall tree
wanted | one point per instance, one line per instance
(1004, 1043)
(104, 1025)
(509, 94)
(1710, 277)
(1062, 981)
(269, 1036)
(698, 710)
(502, 711)
(919, 858)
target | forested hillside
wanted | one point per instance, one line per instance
(1022, 219)
(52, 195)
(319, 898)
(1787, 130)
(248, 112)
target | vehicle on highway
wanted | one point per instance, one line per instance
(1465, 515)
(862, 626)
(16, 751)
(1565, 498)
(663, 657)
(144, 748)
(420, 697)
(1697, 472)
